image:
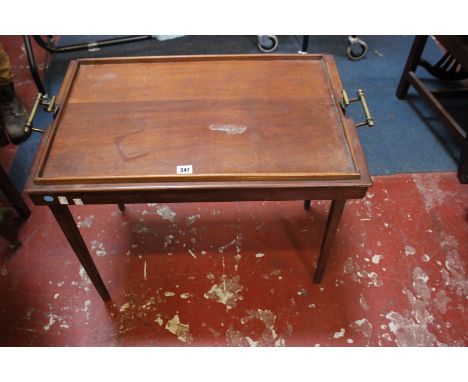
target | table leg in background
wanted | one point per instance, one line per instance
(334, 216)
(13, 196)
(463, 166)
(411, 64)
(72, 233)
(10, 234)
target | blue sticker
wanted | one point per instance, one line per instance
(49, 198)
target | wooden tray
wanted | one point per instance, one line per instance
(227, 118)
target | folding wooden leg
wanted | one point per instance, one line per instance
(72, 233)
(334, 216)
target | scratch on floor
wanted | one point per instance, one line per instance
(192, 254)
(357, 273)
(269, 336)
(429, 190)
(85, 281)
(362, 325)
(54, 318)
(441, 300)
(237, 242)
(159, 320)
(86, 223)
(340, 334)
(454, 275)
(98, 247)
(168, 240)
(182, 331)
(409, 250)
(166, 213)
(376, 258)
(192, 219)
(124, 307)
(412, 329)
(140, 227)
(226, 292)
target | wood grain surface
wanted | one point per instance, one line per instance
(256, 117)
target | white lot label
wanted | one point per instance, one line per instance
(185, 169)
(78, 201)
(63, 200)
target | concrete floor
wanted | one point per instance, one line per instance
(239, 274)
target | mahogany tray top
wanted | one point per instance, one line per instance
(231, 118)
(198, 129)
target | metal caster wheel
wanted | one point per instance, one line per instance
(357, 48)
(267, 44)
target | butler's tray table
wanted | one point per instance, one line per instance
(196, 129)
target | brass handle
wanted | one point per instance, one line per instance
(345, 102)
(369, 120)
(29, 124)
(50, 106)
